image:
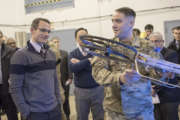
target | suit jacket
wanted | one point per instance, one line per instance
(6, 54)
(172, 46)
(169, 55)
(167, 95)
(65, 73)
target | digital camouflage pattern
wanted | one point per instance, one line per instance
(132, 99)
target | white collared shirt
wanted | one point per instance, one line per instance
(177, 44)
(84, 53)
(36, 46)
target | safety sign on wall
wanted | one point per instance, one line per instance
(42, 5)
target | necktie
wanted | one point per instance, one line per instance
(178, 45)
(43, 52)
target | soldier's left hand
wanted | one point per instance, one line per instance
(170, 75)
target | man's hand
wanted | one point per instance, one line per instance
(170, 75)
(68, 82)
(89, 59)
(128, 74)
(153, 92)
(74, 60)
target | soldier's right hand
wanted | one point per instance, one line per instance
(128, 75)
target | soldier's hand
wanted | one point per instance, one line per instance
(127, 75)
(170, 75)
(74, 60)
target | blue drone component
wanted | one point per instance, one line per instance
(110, 53)
(136, 99)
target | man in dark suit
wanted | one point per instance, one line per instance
(66, 76)
(175, 44)
(167, 109)
(6, 102)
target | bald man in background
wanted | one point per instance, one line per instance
(11, 42)
(167, 109)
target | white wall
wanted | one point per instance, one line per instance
(92, 8)
(8, 16)
(157, 19)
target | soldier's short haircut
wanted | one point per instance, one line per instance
(35, 22)
(176, 28)
(79, 29)
(149, 27)
(55, 38)
(128, 12)
(137, 30)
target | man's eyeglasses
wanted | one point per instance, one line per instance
(44, 30)
(11, 43)
(176, 33)
(157, 41)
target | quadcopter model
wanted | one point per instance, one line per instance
(103, 47)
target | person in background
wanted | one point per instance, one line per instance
(167, 109)
(6, 101)
(89, 95)
(4, 39)
(175, 44)
(65, 75)
(145, 43)
(12, 43)
(53, 47)
(148, 30)
(137, 41)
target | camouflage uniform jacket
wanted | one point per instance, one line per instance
(107, 73)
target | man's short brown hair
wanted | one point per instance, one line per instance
(176, 28)
(128, 12)
(79, 29)
(36, 21)
(1, 34)
(149, 27)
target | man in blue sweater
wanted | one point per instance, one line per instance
(88, 94)
(33, 80)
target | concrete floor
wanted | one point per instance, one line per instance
(72, 106)
(73, 111)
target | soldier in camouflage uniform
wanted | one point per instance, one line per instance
(117, 76)
(145, 42)
(54, 48)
